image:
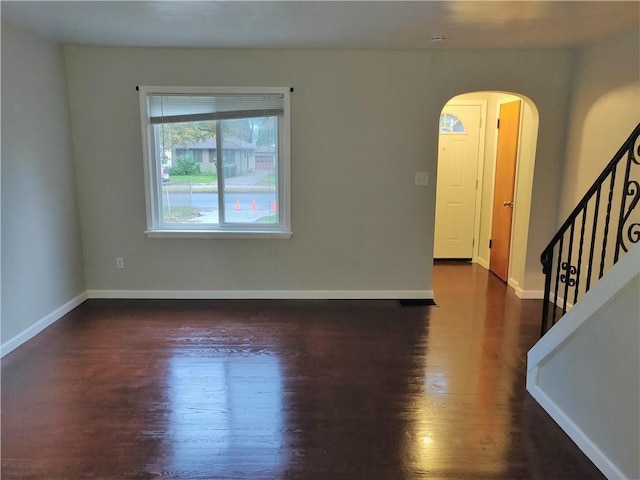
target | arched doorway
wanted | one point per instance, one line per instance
(479, 176)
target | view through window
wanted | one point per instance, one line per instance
(217, 161)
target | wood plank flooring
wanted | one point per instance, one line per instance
(286, 390)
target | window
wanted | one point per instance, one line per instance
(206, 141)
(451, 124)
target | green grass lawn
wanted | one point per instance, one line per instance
(201, 179)
(269, 180)
(212, 179)
(180, 214)
(268, 219)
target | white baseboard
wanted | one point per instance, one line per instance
(58, 313)
(41, 324)
(591, 450)
(266, 294)
(604, 291)
(482, 262)
(529, 294)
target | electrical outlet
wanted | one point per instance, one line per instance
(422, 178)
(119, 262)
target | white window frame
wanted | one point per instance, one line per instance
(153, 180)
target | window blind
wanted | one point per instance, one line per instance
(197, 108)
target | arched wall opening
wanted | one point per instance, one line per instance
(488, 105)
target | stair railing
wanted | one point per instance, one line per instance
(591, 240)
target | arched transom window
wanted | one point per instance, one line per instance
(451, 124)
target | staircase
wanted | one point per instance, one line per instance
(593, 238)
(585, 370)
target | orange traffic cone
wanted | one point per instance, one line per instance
(237, 204)
(254, 206)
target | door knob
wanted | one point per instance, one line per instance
(508, 204)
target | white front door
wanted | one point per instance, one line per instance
(456, 181)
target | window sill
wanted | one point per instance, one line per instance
(211, 234)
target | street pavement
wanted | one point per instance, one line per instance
(245, 200)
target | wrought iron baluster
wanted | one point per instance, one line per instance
(579, 268)
(633, 232)
(606, 221)
(621, 218)
(555, 294)
(569, 269)
(596, 212)
(547, 264)
(631, 188)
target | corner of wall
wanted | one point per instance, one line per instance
(40, 325)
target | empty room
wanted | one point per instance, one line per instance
(320, 240)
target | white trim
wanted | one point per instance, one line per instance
(217, 234)
(479, 174)
(559, 303)
(482, 262)
(603, 292)
(597, 456)
(60, 312)
(266, 294)
(529, 294)
(156, 228)
(41, 324)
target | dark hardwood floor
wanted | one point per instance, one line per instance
(286, 389)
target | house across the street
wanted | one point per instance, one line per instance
(238, 157)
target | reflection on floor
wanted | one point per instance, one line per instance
(286, 389)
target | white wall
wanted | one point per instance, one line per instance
(42, 266)
(586, 371)
(605, 108)
(363, 123)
